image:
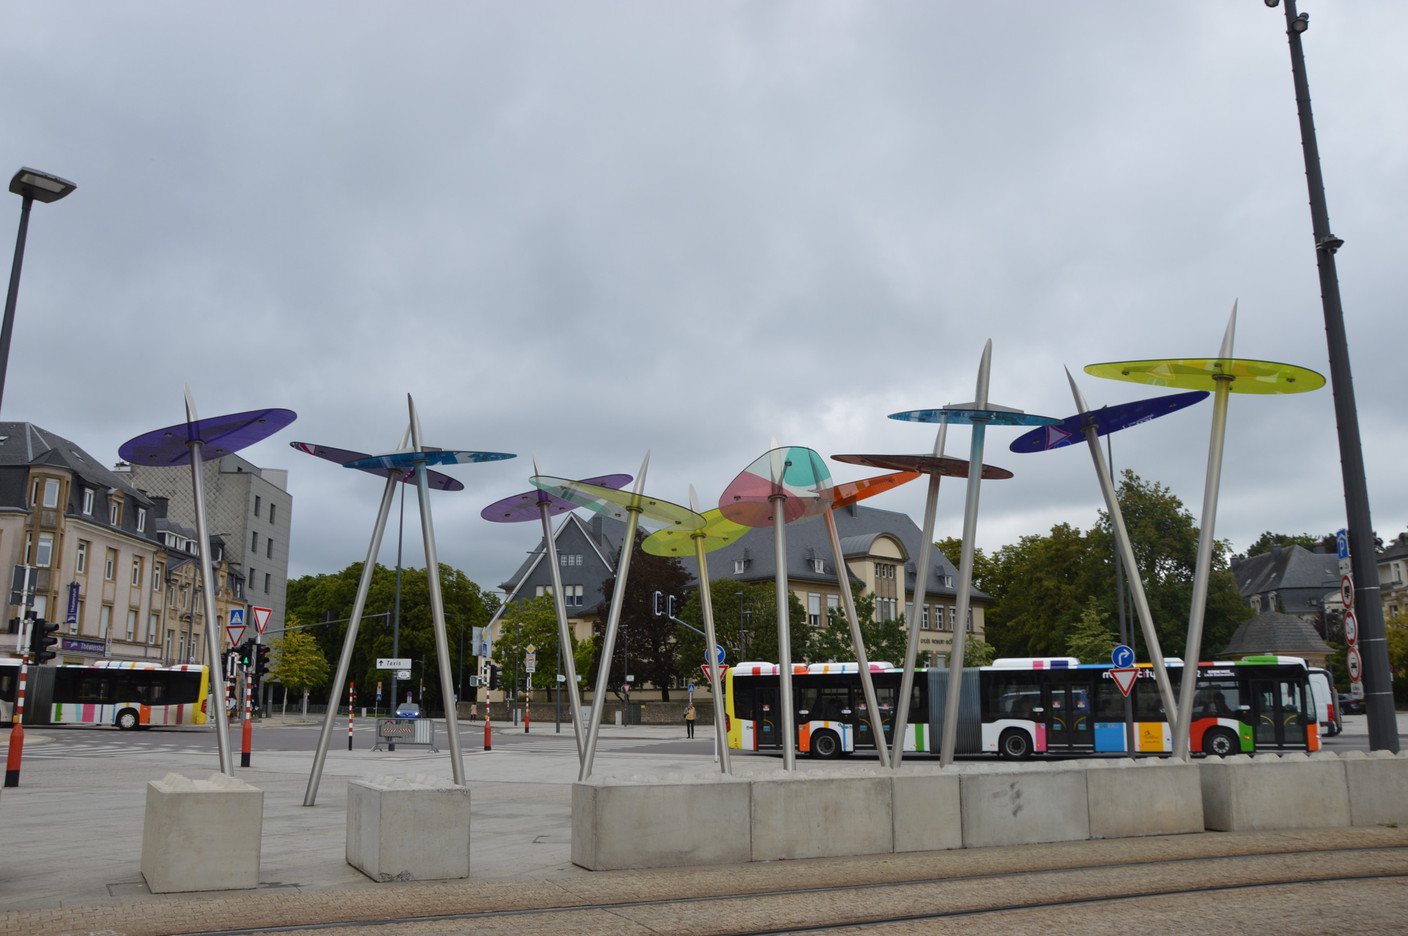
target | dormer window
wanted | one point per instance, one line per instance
(88, 502)
(115, 512)
(818, 566)
(740, 566)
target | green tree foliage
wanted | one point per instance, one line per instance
(978, 652)
(533, 623)
(1090, 640)
(298, 663)
(885, 641)
(986, 570)
(1044, 585)
(647, 641)
(745, 624)
(1308, 541)
(1396, 629)
(329, 597)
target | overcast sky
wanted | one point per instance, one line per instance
(589, 230)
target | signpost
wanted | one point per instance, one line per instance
(1353, 661)
(236, 627)
(394, 663)
(261, 618)
(1124, 678)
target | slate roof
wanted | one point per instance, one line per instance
(1274, 632)
(1298, 576)
(24, 444)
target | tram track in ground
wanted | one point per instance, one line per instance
(1287, 891)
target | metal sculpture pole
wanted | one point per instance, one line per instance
(437, 604)
(613, 622)
(921, 588)
(965, 568)
(1206, 541)
(564, 631)
(207, 577)
(706, 602)
(784, 629)
(1126, 554)
(848, 601)
(349, 640)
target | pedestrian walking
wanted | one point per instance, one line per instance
(689, 720)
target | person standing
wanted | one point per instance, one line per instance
(689, 719)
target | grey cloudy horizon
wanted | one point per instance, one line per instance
(588, 231)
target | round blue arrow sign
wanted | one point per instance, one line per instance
(1123, 657)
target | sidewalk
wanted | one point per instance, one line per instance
(72, 833)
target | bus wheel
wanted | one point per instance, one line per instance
(826, 745)
(1220, 743)
(1015, 744)
(127, 719)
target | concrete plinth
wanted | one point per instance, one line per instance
(1140, 797)
(1026, 807)
(620, 824)
(1292, 791)
(928, 815)
(816, 817)
(408, 829)
(1378, 788)
(201, 835)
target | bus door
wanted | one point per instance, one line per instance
(767, 714)
(1070, 725)
(1277, 707)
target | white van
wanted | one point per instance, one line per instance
(1327, 710)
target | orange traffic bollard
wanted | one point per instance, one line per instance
(488, 734)
(12, 763)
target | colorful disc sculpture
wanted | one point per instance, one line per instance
(1105, 420)
(521, 508)
(944, 465)
(218, 436)
(409, 460)
(437, 480)
(794, 476)
(617, 504)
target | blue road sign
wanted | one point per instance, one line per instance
(1342, 543)
(1123, 657)
(718, 655)
(237, 617)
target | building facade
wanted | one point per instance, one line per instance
(249, 510)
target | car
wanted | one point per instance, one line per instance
(1350, 706)
(408, 710)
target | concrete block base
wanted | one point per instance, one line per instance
(408, 829)
(928, 814)
(1140, 797)
(1292, 791)
(201, 835)
(817, 817)
(1025, 807)
(642, 824)
(1378, 788)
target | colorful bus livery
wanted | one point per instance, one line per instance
(1018, 708)
(126, 694)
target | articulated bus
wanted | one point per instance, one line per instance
(125, 694)
(1020, 707)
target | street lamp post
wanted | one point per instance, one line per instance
(1378, 677)
(31, 185)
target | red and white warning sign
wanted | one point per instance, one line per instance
(261, 617)
(1124, 678)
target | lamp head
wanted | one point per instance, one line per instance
(1301, 23)
(40, 186)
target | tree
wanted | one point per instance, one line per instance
(978, 652)
(298, 662)
(1308, 541)
(329, 597)
(885, 641)
(646, 642)
(745, 623)
(1041, 584)
(1396, 629)
(533, 623)
(1091, 641)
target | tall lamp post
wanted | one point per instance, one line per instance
(1378, 678)
(31, 185)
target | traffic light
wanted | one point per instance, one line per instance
(670, 606)
(246, 652)
(261, 661)
(41, 639)
(659, 606)
(494, 676)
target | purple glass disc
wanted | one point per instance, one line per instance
(426, 457)
(219, 435)
(438, 480)
(1107, 419)
(528, 505)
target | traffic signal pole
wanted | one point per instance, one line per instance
(12, 761)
